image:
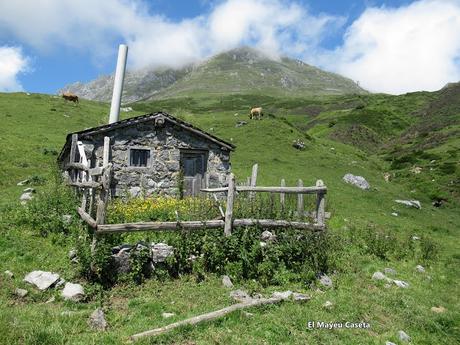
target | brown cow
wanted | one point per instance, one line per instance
(256, 113)
(70, 97)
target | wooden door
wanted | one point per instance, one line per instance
(193, 165)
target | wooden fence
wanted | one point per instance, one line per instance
(94, 185)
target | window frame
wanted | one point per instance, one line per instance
(140, 148)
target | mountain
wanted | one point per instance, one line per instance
(241, 70)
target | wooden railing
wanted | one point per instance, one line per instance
(94, 187)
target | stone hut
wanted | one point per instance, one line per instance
(154, 154)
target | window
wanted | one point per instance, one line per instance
(139, 157)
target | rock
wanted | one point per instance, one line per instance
(410, 203)
(9, 274)
(21, 293)
(67, 219)
(240, 295)
(420, 268)
(389, 343)
(416, 170)
(379, 276)
(22, 183)
(328, 305)
(438, 310)
(401, 284)
(126, 109)
(97, 320)
(403, 336)
(297, 296)
(121, 261)
(72, 254)
(263, 244)
(73, 292)
(160, 251)
(241, 123)
(29, 190)
(415, 238)
(394, 214)
(267, 236)
(135, 191)
(389, 271)
(116, 249)
(42, 280)
(357, 181)
(167, 315)
(387, 177)
(25, 197)
(325, 281)
(282, 295)
(298, 144)
(226, 281)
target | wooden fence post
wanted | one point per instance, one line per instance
(229, 210)
(255, 167)
(300, 208)
(73, 155)
(320, 205)
(282, 195)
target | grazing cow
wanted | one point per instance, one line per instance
(70, 97)
(256, 113)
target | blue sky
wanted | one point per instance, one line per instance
(392, 46)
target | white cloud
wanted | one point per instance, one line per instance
(275, 26)
(12, 63)
(397, 50)
(392, 50)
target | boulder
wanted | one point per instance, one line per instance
(401, 284)
(325, 281)
(73, 292)
(357, 181)
(282, 295)
(240, 295)
(226, 281)
(25, 197)
(121, 261)
(420, 268)
(21, 293)
(161, 251)
(410, 203)
(403, 336)
(42, 280)
(97, 320)
(267, 236)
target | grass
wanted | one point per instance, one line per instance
(31, 134)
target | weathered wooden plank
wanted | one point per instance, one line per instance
(78, 166)
(208, 316)
(106, 152)
(286, 190)
(320, 205)
(253, 183)
(205, 224)
(221, 210)
(300, 205)
(87, 218)
(86, 184)
(73, 148)
(229, 209)
(282, 195)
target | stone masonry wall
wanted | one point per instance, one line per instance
(165, 144)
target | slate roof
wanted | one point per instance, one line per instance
(143, 118)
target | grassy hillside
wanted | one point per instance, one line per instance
(369, 237)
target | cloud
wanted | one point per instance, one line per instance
(397, 50)
(12, 63)
(95, 26)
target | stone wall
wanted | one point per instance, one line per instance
(165, 143)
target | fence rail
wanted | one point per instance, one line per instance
(94, 186)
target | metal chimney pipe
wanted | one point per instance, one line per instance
(118, 83)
